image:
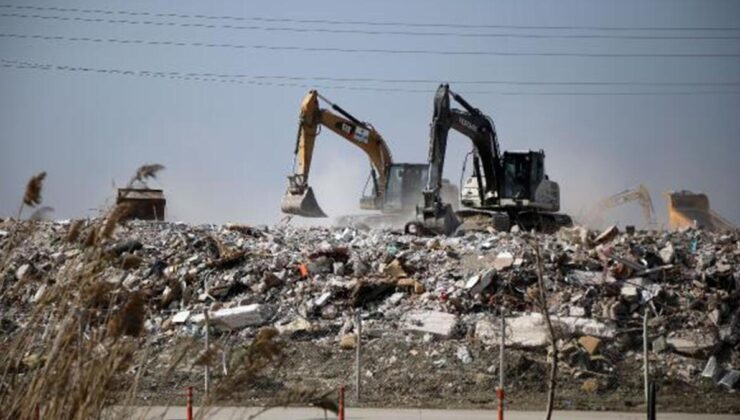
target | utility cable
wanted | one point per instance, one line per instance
(250, 80)
(371, 23)
(366, 50)
(367, 32)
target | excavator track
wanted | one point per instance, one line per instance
(542, 222)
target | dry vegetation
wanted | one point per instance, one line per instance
(85, 336)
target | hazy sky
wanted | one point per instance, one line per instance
(228, 147)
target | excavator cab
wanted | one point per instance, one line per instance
(523, 172)
(524, 184)
(405, 183)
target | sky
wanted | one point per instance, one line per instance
(228, 147)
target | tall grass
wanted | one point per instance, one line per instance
(76, 347)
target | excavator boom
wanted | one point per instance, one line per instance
(299, 199)
(639, 194)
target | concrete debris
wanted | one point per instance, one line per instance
(237, 317)
(667, 254)
(660, 344)
(530, 330)
(713, 370)
(307, 283)
(731, 379)
(480, 282)
(607, 235)
(22, 271)
(297, 325)
(181, 317)
(463, 354)
(39, 294)
(503, 260)
(522, 331)
(434, 322)
(692, 345)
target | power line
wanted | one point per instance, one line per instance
(434, 82)
(369, 50)
(369, 23)
(491, 82)
(255, 81)
(367, 32)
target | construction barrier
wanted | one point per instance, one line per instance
(189, 407)
(340, 411)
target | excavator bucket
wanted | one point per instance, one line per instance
(301, 204)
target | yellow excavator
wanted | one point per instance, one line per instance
(395, 187)
(639, 194)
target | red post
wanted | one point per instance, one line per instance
(189, 408)
(500, 395)
(37, 412)
(341, 403)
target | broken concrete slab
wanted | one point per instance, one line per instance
(434, 322)
(660, 344)
(530, 330)
(585, 326)
(480, 282)
(607, 235)
(322, 300)
(630, 293)
(521, 331)
(713, 370)
(503, 261)
(693, 345)
(731, 379)
(297, 324)
(237, 317)
(667, 253)
(181, 317)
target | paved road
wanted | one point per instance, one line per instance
(231, 413)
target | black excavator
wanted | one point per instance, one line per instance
(505, 189)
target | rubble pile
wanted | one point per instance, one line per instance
(309, 282)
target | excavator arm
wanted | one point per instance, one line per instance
(300, 199)
(639, 194)
(487, 162)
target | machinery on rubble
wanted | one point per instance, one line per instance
(505, 189)
(639, 194)
(395, 187)
(689, 209)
